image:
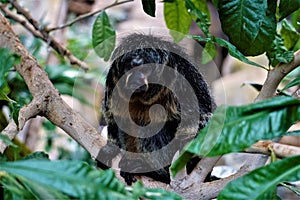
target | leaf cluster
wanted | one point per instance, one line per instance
(39, 178)
(253, 28)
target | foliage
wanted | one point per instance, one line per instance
(40, 178)
(250, 25)
(103, 36)
(261, 183)
(253, 28)
(7, 61)
(235, 128)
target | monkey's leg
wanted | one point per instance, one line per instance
(105, 156)
(142, 166)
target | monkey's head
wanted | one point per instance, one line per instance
(148, 70)
(136, 71)
(138, 63)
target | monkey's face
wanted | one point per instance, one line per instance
(136, 72)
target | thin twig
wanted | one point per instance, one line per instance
(26, 14)
(11, 15)
(34, 27)
(84, 16)
(280, 150)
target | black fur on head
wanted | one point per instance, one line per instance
(138, 50)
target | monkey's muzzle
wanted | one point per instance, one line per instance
(136, 82)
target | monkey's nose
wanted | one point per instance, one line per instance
(137, 82)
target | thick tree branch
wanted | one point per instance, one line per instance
(46, 99)
(275, 76)
(10, 131)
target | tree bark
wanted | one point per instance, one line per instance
(46, 99)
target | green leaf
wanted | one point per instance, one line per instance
(209, 52)
(295, 18)
(44, 179)
(287, 7)
(177, 19)
(202, 19)
(73, 178)
(292, 188)
(235, 128)
(261, 183)
(41, 191)
(234, 52)
(7, 60)
(138, 190)
(5, 90)
(7, 141)
(294, 82)
(37, 155)
(289, 34)
(249, 24)
(103, 36)
(278, 53)
(202, 6)
(15, 109)
(149, 7)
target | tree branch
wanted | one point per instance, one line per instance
(280, 150)
(275, 76)
(38, 31)
(46, 99)
(87, 15)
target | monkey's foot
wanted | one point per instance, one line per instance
(128, 177)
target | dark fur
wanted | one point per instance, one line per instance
(136, 50)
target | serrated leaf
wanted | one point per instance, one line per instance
(149, 7)
(287, 7)
(235, 128)
(209, 52)
(289, 34)
(202, 18)
(177, 19)
(278, 52)
(249, 24)
(103, 36)
(74, 178)
(261, 183)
